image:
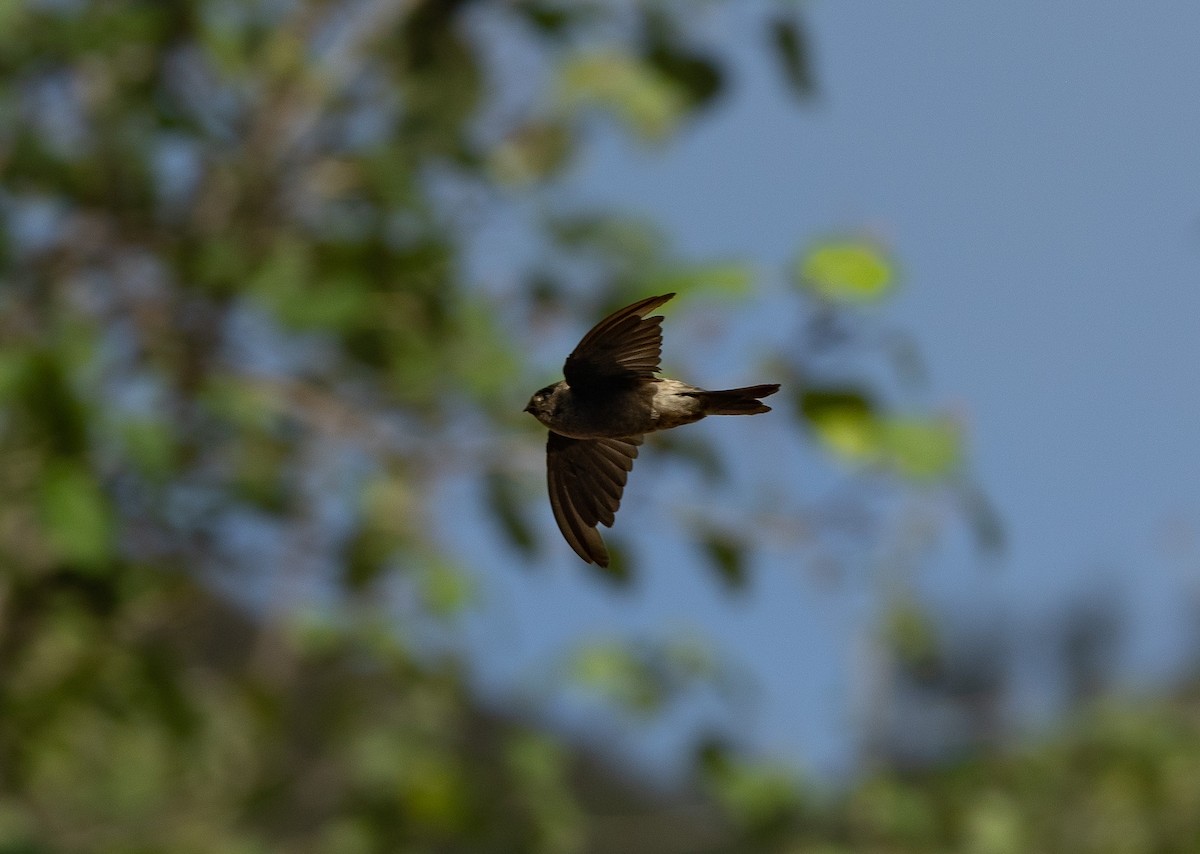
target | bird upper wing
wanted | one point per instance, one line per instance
(586, 478)
(623, 346)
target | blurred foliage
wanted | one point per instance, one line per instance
(642, 680)
(238, 349)
(648, 101)
(848, 423)
(154, 717)
(1121, 779)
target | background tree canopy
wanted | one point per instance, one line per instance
(240, 347)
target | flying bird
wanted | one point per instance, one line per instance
(599, 414)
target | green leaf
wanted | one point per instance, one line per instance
(304, 297)
(76, 514)
(436, 794)
(852, 271)
(535, 759)
(218, 264)
(646, 100)
(12, 17)
(601, 666)
(339, 302)
(757, 796)
(922, 447)
(285, 269)
(910, 634)
(151, 446)
(850, 435)
(446, 590)
(844, 421)
(618, 675)
(995, 823)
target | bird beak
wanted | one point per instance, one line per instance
(528, 408)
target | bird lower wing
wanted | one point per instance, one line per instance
(586, 478)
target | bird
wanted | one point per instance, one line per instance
(598, 414)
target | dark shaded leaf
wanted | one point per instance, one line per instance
(762, 799)
(55, 413)
(444, 81)
(624, 676)
(504, 502)
(697, 75)
(817, 403)
(792, 47)
(365, 557)
(619, 571)
(984, 519)
(553, 18)
(728, 557)
(912, 637)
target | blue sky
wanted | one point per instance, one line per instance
(1033, 167)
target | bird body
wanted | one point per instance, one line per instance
(598, 415)
(639, 408)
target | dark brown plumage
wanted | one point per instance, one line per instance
(598, 415)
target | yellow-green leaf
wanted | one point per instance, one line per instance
(923, 448)
(641, 96)
(446, 590)
(844, 421)
(846, 271)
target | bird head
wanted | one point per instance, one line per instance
(543, 404)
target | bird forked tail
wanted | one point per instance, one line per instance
(739, 401)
